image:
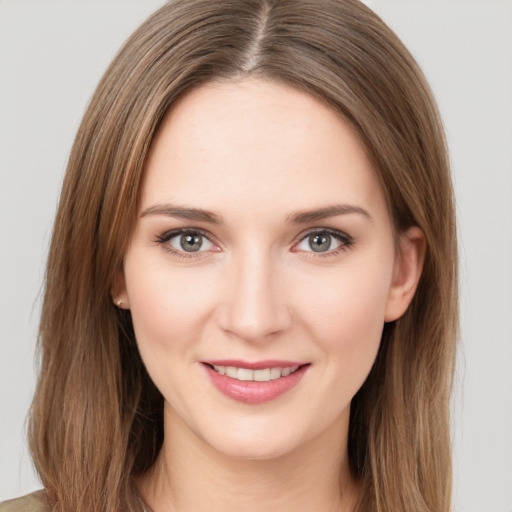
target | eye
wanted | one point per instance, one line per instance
(186, 241)
(324, 242)
(190, 242)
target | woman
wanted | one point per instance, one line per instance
(251, 291)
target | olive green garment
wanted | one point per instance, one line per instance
(34, 502)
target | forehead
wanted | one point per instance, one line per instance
(256, 144)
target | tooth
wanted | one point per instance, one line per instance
(220, 369)
(231, 371)
(245, 374)
(262, 375)
(275, 373)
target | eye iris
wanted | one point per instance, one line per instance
(320, 243)
(191, 243)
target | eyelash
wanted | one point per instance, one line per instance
(345, 240)
(164, 239)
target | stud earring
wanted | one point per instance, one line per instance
(119, 302)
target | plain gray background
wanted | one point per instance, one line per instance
(53, 52)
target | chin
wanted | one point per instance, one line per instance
(252, 444)
(254, 450)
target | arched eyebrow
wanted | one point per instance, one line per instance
(180, 212)
(298, 217)
(306, 216)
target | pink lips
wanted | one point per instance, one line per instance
(254, 392)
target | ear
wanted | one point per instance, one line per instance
(119, 294)
(406, 274)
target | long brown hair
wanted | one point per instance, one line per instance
(96, 419)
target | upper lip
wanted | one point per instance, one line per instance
(254, 365)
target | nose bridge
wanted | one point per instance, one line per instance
(255, 305)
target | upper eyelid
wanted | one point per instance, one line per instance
(302, 234)
(171, 233)
(334, 232)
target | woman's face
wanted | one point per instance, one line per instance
(263, 248)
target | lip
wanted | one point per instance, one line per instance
(256, 365)
(253, 392)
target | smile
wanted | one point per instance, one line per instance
(262, 375)
(255, 383)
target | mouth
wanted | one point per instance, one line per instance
(255, 383)
(261, 375)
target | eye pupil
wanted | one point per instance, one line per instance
(191, 243)
(320, 243)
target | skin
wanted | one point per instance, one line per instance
(255, 153)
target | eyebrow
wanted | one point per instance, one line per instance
(303, 217)
(299, 217)
(179, 212)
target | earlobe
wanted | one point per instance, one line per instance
(118, 293)
(407, 273)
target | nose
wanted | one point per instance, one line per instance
(255, 305)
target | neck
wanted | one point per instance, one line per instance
(191, 476)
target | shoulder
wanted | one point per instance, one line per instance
(34, 502)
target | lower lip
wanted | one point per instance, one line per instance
(253, 392)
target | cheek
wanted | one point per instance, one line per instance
(170, 310)
(351, 300)
(345, 315)
(168, 306)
